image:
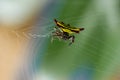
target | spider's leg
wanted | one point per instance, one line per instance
(56, 34)
(55, 28)
(72, 38)
(52, 39)
(53, 35)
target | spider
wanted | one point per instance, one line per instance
(63, 35)
(65, 32)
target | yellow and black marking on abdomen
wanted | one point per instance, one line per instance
(68, 28)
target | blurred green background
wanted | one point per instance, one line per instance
(95, 55)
